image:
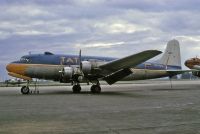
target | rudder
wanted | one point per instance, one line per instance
(171, 55)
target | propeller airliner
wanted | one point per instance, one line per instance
(194, 64)
(76, 69)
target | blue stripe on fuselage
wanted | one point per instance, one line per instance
(60, 59)
(156, 66)
(73, 60)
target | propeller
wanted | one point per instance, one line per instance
(79, 72)
(80, 61)
(76, 73)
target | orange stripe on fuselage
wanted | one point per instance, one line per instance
(17, 68)
(19, 76)
(21, 68)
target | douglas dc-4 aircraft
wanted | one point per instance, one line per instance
(75, 69)
(194, 63)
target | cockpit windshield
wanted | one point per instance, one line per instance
(25, 60)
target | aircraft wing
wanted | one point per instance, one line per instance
(121, 68)
(130, 61)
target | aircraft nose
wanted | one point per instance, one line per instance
(188, 63)
(9, 67)
(16, 68)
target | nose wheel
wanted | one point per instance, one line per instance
(25, 90)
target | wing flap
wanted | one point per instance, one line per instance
(130, 61)
(114, 77)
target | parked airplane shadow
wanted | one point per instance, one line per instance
(174, 89)
(103, 93)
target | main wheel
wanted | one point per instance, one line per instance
(25, 90)
(76, 89)
(96, 89)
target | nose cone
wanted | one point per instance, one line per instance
(190, 63)
(9, 68)
(16, 68)
(186, 63)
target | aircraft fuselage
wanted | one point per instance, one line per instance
(43, 66)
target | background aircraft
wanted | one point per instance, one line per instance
(14, 82)
(76, 69)
(194, 63)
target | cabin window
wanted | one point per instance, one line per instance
(147, 65)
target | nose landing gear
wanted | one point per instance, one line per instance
(26, 90)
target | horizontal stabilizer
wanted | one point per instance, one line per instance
(130, 61)
(114, 77)
(176, 72)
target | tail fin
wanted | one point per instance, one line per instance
(172, 55)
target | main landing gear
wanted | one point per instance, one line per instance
(95, 88)
(76, 88)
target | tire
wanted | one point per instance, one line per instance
(96, 89)
(76, 89)
(25, 90)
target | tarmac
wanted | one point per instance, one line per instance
(142, 107)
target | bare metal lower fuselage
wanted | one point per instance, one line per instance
(51, 72)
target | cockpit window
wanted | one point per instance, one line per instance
(26, 60)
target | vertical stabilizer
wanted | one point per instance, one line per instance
(172, 54)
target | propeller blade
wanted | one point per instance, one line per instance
(80, 60)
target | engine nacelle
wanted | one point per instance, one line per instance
(86, 67)
(68, 73)
(196, 73)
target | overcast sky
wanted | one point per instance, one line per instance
(113, 28)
